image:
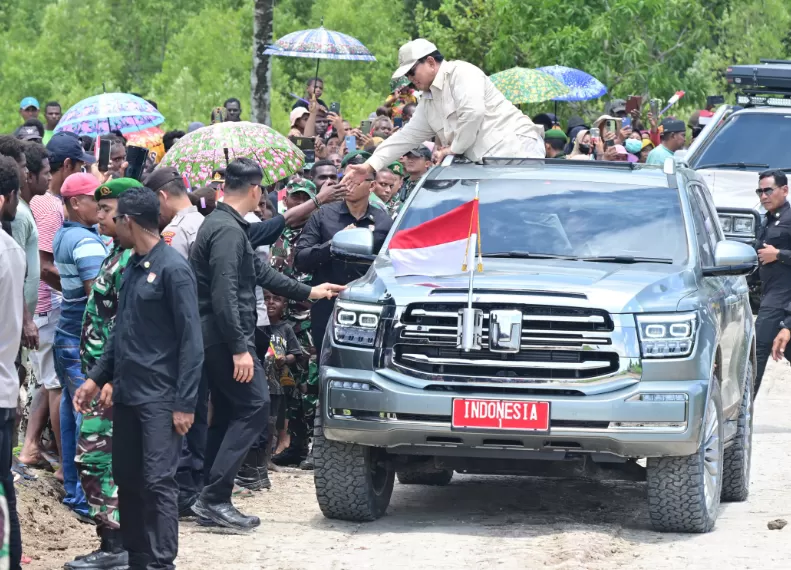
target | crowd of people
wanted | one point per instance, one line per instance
(112, 276)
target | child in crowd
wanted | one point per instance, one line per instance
(284, 353)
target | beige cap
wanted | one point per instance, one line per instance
(296, 113)
(410, 53)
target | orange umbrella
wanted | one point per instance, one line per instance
(150, 138)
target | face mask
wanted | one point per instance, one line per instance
(633, 146)
(585, 148)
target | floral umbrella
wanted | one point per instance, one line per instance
(100, 114)
(582, 86)
(197, 153)
(522, 85)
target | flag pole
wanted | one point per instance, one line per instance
(471, 320)
(471, 259)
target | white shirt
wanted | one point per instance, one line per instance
(12, 280)
(466, 111)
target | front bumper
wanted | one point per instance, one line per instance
(405, 418)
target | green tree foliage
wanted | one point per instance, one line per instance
(190, 55)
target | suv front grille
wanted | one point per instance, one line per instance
(557, 343)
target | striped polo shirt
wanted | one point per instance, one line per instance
(79, 252)
(48, 213)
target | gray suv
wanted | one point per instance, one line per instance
(616, 342)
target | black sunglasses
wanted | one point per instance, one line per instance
(411, 72)
(767, 191)
(119, 216)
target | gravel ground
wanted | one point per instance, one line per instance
(502, 522)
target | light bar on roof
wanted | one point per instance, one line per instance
(756, 100)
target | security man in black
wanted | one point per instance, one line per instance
(227, 272)
(313, 246)
(149, 371)
(774, 255)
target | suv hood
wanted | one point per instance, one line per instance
(733, 188)
(616, 288)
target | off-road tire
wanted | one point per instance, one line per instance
(676, 485)
(438, 478)
(737, 459)
(346, 488)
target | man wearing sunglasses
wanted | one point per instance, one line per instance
(313, 246)
(461, 107)
(774, 254)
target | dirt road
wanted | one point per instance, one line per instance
(510, 522)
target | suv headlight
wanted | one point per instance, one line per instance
(740, 225)
(667, 336)
(356, 323)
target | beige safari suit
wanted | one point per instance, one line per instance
(467, 112)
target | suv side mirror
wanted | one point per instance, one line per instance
(355, 245)
(732, 258)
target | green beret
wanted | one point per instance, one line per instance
(305, 186)
(354, 154)
(115, 187)
(556, 134)
(396, 168)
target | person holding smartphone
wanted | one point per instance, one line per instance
(461, 107)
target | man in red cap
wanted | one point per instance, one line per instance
(78, 252)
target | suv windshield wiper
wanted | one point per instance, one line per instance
(626, 259)
(527, 255)
(732, 165)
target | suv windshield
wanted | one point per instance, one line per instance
(759, 140)
(564, 218)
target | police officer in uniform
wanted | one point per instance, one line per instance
(774, 254)
(178, 218)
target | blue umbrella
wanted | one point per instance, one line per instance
(582, 86)
(320, 43)
(100, 114)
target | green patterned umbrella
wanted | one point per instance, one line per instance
(399, 82)
(198, 153)
(521, 85)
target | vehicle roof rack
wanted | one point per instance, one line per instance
(774, 74)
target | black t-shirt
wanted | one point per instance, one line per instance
(283, 341)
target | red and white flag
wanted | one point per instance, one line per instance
(442, 246)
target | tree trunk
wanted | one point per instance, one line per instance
(261, 74)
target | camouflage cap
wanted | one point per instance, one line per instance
(305, 186)
(396, 168)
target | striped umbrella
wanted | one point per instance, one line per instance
(320, 43)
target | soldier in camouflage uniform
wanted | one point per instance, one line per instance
(95, 444)
(300, 399)
(393, 205)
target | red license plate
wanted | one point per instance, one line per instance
(501, 414)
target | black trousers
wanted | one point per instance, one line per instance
(145, 457)
(241, 412)
(190, 473)
(7, 421)
(767, 325)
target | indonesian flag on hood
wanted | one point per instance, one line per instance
(442, 246)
